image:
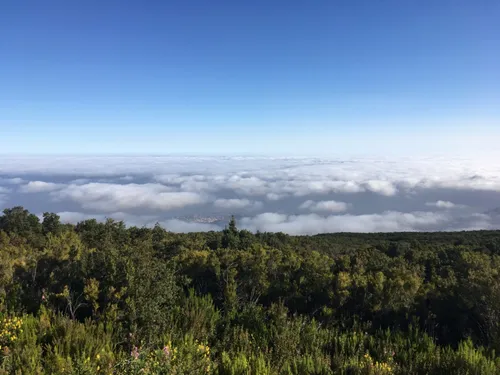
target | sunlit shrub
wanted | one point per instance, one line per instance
(188, 356)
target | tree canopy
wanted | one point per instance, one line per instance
(96, 298)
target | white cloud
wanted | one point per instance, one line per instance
(381, 187)
(275, 178)
(308, 224)
(324, 206)
(114, 197)
(262, 183)
(236, 204)
(4, 190)
(444, 204)
(303, 188)
(211, 184)
(39, 187)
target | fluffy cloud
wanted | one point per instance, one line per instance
(39, 187)
(236, 204)
(324, 206)
(114, 197)
(377, 191)
(381, 187)
(307, 224)
(275, 177)
(302, 188)
(444, 204)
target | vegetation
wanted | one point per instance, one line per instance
(103, 298)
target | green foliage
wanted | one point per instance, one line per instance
(188, 356)
(241, 364)
(101, 298)
(51, 223)
(55, 344)
(197, 314)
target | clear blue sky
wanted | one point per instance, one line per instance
(245, 76)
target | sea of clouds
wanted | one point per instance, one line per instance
(291, 195)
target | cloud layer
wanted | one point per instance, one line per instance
(293, 195)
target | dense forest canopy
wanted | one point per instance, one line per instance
(104, 298)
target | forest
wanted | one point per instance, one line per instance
(107, 298)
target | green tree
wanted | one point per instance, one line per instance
(230, 235)
(51, 223)
(22, 223)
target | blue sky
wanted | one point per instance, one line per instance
(256, 77)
